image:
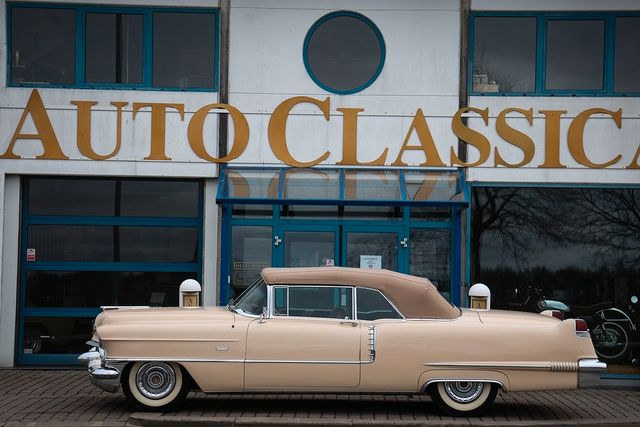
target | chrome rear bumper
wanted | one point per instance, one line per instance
(103, 375)
(589, 371)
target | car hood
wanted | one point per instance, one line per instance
(163, 315)
(505, 317)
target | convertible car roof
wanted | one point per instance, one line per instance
(414, 296)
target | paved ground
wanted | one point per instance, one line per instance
(65, 398)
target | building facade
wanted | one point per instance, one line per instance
(146, 142)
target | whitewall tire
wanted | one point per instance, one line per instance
(463, 398)
(155, 386)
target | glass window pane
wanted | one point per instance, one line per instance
(371, 185)
(344, 53)
(254, 184)
(372, 306)
(431, 185)
(98, 288)
(576, 246)
(373, 212)
(384, 246)
(430, 214)
(308, 249)
(185, 58)
(627, 78)
(43, 46)
(68, 196)
(158, 244)
(504, 54)
(575, 55)
(113, 48)
(159, 198)
(250, 252)
(309, 211)
(311, 184)
(281, 301)
(430, 257)
(322, 301)
(252, 211)
(109, 243)
(56, 335)
(71, 242)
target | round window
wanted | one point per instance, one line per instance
(344, 52)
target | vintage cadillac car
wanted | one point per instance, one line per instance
(337, 330)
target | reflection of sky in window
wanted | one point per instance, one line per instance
(344, 53)
(575, 55)
(365, 185)
(311, 184)
(431, 185)
(253, 183)
(505, 52)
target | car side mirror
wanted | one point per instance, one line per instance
(263, 315)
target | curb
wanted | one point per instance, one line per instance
(143, 419)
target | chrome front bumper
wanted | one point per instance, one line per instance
(103, 374)
(589, 371)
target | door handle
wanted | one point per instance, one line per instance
(349, 322)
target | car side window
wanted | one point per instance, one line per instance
(372, 305)
(314, 301)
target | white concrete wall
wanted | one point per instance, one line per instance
(420, 71)
(603, 141)
(10, 199)
(136, 133)
(211, 246)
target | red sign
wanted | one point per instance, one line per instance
(31, 254)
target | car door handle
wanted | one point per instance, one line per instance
(349, 322)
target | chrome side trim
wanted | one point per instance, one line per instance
(589, 372)
(591, 365)
(174, 339)
(203, 360)
(552, 366)
(170, 359)
(311, 362)
(372, 343)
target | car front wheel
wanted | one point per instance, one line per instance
(155, 386)
(464, 398)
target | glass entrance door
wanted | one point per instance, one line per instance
(364, 248)
(430, 256)
(315, 247)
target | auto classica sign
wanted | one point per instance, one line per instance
(45, 135)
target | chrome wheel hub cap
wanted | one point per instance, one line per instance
(463, 391)
(155, 380)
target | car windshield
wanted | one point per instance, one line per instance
(253, 300)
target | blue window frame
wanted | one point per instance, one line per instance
(253, 201)
(605, 43)
(147, 53)
(90, 242)
(344, 52)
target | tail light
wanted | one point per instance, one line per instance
(582, 330)
(558, 315)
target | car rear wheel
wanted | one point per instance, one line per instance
(463, 398)
(155, 386)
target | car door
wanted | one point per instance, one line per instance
(308, 341)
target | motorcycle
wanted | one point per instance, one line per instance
(612, 330)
